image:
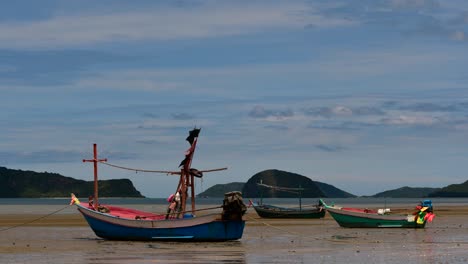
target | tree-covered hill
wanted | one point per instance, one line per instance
(281, 179)
(331, 191)
(219, 190)
(407, 192)
(327, 190)
(453, 190)
(30, 184)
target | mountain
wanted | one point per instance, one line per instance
(219, 190)
(407, 192)
(453, 190)
(30, 184)
(331, 191)
(281, 179)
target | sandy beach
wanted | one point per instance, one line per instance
(66, 238)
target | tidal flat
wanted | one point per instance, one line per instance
(66, 238)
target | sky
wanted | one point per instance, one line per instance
(366, 95)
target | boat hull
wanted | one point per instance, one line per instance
(280, 212)
(204, 228)
(363, 220)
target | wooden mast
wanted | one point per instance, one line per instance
(186, 177)
(192, 184)
(95, 160)
(189, 175)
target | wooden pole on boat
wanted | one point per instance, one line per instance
(95, 160)
(183, 190)
(192, 193)
(189, 176)
(186, 173)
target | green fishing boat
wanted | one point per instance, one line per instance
(368, 218)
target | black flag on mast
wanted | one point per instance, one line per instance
(193, 134)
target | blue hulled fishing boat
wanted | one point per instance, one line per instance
(119, 223)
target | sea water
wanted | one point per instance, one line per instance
(47, 205)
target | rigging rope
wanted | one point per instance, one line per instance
(34, 220)
(139, 170)
(155, 171)
(283, 189)
(280, 188)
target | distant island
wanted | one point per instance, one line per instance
(320, 189)
(453, 190)
(280, 178)
(407, 192)
(218, 190)
(30, 184)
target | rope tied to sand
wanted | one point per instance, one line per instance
(275, 227)
(35, 220)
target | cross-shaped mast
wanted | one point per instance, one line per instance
(186, 173)
(95, 160)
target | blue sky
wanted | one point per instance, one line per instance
(365, 95)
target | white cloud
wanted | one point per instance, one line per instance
(410, 120)
(125, 81)
(380, 62)
(156, 124)
(6, 68)
(342, 111)
(458, 35)
(462, 127)
(414, 4)
(162, 24)
(338, 66)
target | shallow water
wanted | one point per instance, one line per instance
(48, 205)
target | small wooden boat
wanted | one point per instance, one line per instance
(118, 223)
(367, 218)
(271, 211)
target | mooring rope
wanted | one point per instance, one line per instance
(275, 227)
(34, 220)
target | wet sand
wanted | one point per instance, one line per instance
(66, 238)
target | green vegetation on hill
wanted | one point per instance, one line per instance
(407, 192)
(280, 179)
(328, 190)
(453, 190)
(219, 190)
(331, 191)
(30, 184)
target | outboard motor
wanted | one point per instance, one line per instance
(233, 206)
(427, 203)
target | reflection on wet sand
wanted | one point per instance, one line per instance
(168, 252)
